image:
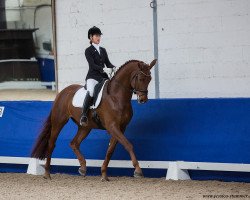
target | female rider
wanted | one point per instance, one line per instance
(96, 56)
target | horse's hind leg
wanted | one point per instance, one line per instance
(82, 133)
(55, 130)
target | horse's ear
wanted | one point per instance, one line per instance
(141, 65)
(152, 63)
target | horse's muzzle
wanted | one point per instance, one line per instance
(141, 99)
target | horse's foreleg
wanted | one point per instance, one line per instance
(82, 133)
(117, 134)
(111, 148)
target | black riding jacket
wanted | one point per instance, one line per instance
(96, 63)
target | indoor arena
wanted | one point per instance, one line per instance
(114, 99)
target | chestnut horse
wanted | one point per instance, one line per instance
(115, 112)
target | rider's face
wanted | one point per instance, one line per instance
(95, 38)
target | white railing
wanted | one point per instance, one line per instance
(177, 170)
(52, 84)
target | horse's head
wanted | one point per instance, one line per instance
(141, 79)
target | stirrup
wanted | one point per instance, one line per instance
(84, 120)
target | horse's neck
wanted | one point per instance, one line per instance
(120, 85)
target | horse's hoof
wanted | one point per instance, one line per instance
(47, 176)
(104, 179)
(138, 174)
(82, 171)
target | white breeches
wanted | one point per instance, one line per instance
(91, 83)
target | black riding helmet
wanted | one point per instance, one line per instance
(94, 30)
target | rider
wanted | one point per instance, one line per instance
(96, 56)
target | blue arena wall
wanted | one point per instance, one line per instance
(202, 130)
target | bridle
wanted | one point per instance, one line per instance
(134, 90)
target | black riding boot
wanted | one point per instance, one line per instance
(86, 104)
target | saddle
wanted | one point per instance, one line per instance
(80, 94)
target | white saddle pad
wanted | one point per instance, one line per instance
(80, 96)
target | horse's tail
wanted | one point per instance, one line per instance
(40, 149)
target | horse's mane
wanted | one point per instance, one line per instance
(122, 66)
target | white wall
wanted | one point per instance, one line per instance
(204, 45)
(204, 48)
